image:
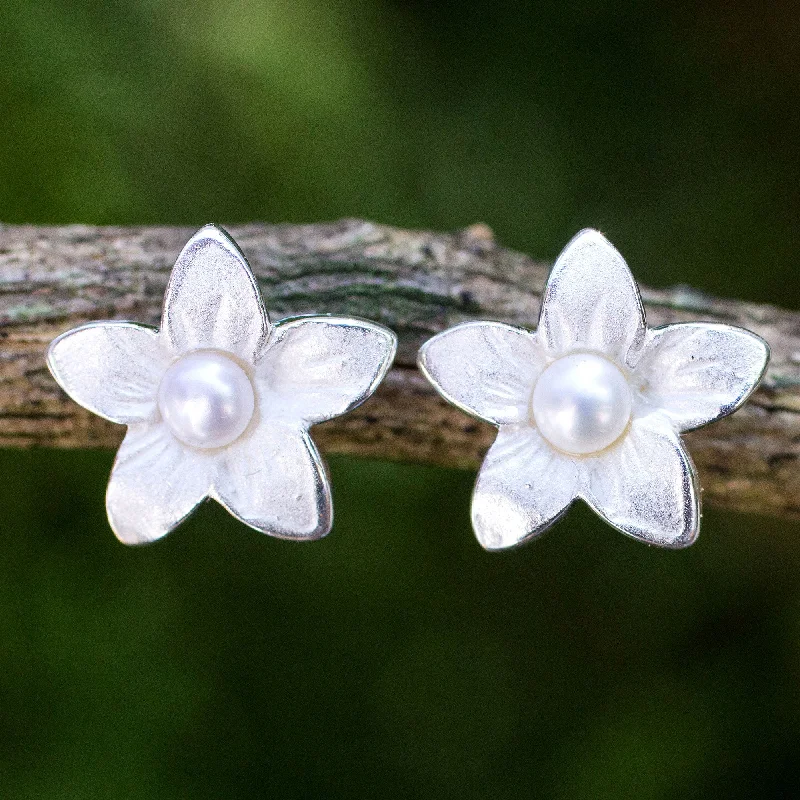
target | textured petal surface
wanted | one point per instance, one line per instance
(485, 368)
(316, 368)
(524, 485)
(111, 368)
(646, 485)
(274, 480)
(591, 301)
(697, 372)
(155, 484)
(212, 300)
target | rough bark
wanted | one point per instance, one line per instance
(418, 283)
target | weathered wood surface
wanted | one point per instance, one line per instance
(418, 283)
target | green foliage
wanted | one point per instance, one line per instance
(395, 658)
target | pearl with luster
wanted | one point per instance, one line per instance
(581, 403)
(207, 399)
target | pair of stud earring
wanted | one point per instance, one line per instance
(218, 401)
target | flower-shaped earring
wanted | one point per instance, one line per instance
(590, 405)
(218, 402)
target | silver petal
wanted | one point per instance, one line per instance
(274, 480)
(212, 300)
(591, 301)
(155, 484)
(646, 485)
(315, 368)
(698, 372)
(523, 487)
(111, 368)
(487, 369)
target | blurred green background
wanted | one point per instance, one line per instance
(395, 658)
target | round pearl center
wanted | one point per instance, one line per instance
(581, 403)
(206, 399)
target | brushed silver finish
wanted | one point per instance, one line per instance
(303, 370)
(681, 376)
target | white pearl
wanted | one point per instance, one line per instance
(206, 399)
(581, 403)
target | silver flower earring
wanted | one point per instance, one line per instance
(218, 402)
(590, 405)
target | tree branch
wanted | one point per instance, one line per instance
(418, 283)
